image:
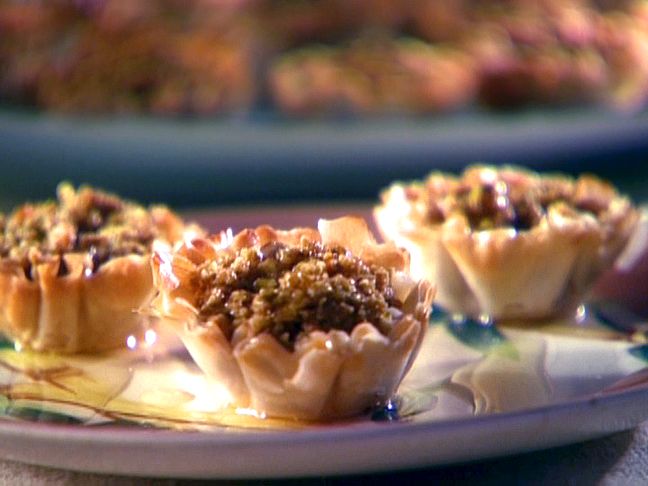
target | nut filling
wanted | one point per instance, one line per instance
(88, 221)
(289, 290)
(502, 199)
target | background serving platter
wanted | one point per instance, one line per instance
(257, 159)
(475, 392)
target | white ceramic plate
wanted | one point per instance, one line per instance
(329, 451)
(566, 402)
(474, 392)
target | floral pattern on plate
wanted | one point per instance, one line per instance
(465, 368)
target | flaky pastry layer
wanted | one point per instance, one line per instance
(326, 375)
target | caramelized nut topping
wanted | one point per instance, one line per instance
(86, 220)
(286, 290)
(498, 199)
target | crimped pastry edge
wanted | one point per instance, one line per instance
(76, 312)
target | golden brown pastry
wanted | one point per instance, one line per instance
(508, 242)
(73, 271)
(301, 324)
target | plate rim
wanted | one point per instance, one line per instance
(159, 441)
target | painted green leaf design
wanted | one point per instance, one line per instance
(640, 352)
(5, 343)
(39, 415)
(480, 335)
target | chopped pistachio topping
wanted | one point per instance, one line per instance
(287, 291)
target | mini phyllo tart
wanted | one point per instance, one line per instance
(507, 242)
(74, 271)
(303, 324)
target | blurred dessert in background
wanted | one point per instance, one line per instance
(120, 56)
(305, 57)
(374, 76)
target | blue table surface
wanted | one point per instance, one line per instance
(207, 163)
